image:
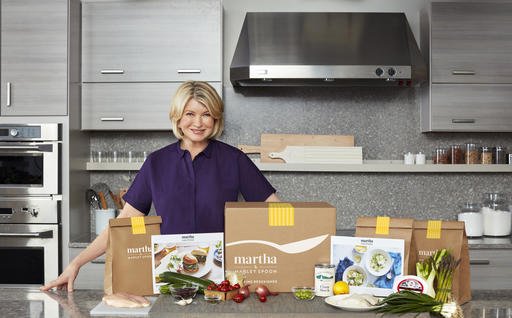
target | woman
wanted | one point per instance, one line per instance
(189, 181)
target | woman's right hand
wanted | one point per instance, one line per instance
(65, 280)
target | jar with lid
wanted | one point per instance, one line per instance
(472, 155)
(472, 217)
(500, 155)
(496, 214)
(486, 156)
(441, 156)
(457, 154)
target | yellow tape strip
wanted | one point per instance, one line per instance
(138, 225)
(382, 226)
(281, 214)
(434, 229)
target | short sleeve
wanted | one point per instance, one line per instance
(139, 194)
(253, 184)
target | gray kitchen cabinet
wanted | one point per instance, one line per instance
(151, 40)
(128, 106)
(91, 274)
(490, 269)
(469, 107)
(33, 57)
(471, 68)
(471, 42)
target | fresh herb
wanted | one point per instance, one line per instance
(174, 262)
(408, 301)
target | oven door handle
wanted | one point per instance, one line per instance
(44, 234)
(41, 148)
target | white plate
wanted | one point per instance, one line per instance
(358, 269)
(387, 266)
(337, 301)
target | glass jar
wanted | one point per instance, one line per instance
(457, 154)
(473, 219)
(441, 156)
(500, 155)
(495, 201)
(486, 156)
(472, 155)
(496, 215)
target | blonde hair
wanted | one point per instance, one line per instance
(205, 94)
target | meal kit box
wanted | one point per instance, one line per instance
(392, 228)
(198, 255)
(368, 265)
(278, 244)
(128, 255)
(430, 236)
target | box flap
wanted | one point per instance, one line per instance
(127, 222)
(259, 205)
(400, 223)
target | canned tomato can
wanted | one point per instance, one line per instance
(324, 279)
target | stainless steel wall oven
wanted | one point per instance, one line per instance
(29, 204)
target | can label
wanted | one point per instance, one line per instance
(324, 279)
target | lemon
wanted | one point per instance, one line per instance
(340, 287)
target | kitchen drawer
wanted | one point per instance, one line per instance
(151, 40)
(91, 274)
(128, 106)
(470, 107)
(471, 42)
(490, 269)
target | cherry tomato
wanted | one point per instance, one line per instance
(225, 282)
(236, 286)
(212, 286)
(263, 298)
(238, 298)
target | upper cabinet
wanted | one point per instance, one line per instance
(471, 68)
(33, 57)
(151, 41)
(471, 43)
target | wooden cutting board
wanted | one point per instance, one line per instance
(320, 155)
(278, 142)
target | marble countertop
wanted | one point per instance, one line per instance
(26, 302)
(474, 243)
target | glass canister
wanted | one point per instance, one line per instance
(457, 154)
(472, 154)
(486, 155)
(472, 217)
(496, 214)
(441, 156)
(500, 155)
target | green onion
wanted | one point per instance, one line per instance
(408, 301)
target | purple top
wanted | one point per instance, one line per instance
(189, 194)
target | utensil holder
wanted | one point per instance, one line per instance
(101, 218)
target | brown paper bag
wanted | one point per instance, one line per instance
(397, 229)
(452, 237)
(128, 256)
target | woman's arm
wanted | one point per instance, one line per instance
(95, 249)
(273, 198)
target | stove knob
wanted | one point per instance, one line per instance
(379, 71)
(391, 72)
(34, 212)
(14, 132)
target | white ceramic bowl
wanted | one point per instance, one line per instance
(347, 275)
(386, 266)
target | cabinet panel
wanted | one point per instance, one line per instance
(490, 269)
(34, 57)
(471, 107)
(151, 40)
(471, 42)
(91, 274)
(128, 106)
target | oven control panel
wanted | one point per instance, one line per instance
(35, 132)
(29, 210)
(11, 212)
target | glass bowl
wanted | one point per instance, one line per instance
(303, 292)
(183, 293)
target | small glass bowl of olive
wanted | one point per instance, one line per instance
(303, 293)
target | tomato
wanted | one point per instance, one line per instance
(238, 298)
(225, 282)
(263, 298)
(236, 286)
(212, 286)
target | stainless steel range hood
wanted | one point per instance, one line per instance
(326, 49)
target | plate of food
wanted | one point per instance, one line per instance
(354, 302)
(355, 275)
(378, 262)
(190, 260)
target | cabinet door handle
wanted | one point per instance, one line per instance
(112, 71)
(98, 261)
(463, 72)
(479, 262)
(8, 95)
(463, 121)
(112, 118)
(188, 71)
